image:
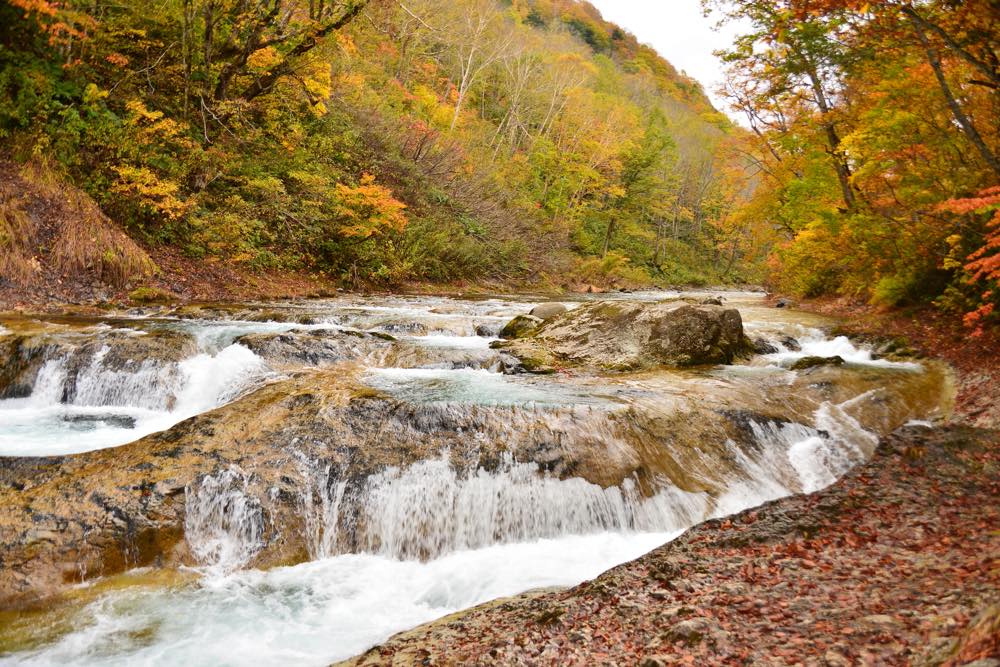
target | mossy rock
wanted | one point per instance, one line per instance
(521, 326)
(151, 295)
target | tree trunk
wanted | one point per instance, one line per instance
(956, 109)
(607, 237)
(833, 140)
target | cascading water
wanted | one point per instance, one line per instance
(223, 525)
(429, 509)
(412, 543)
(97, 404)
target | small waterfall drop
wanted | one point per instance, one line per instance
(430, 509)
(150, 384)
(223, 524)
(82, 400)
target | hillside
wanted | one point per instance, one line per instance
(371, 143)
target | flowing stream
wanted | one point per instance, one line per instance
(427, 539)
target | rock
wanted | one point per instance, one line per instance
(790, 343)
(624, 335)
(547, 311)
(691, 631)
(406, 328)
(118, 421)
(326, 347)
(711, 301)
(520, 326)
(487, 330)
(109, 510)
(317, 346)
(806, 363)
(784, 302)
(655, 661)
(151, 295)
(762, 346)
(878, 623)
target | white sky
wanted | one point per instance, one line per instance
(679, 31)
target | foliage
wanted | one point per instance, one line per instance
(873, 125)
(983, 265)
(437, 141)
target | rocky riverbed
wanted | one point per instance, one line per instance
(281, 450)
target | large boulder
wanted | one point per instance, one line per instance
(547, 311)
(624, 335)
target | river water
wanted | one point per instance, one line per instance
(438, 540)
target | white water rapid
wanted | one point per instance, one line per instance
(114, 406)
(427, 539)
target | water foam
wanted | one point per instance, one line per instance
(815, 344)
(430, 509)
(102, 407)
(223, 524)
(319, 612)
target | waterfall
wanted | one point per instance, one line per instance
(223, 523)
(430, 509)
(87, 397)
(151, 384)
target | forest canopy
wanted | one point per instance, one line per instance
(875, 134)
(377, 142)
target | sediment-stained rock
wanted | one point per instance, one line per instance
(628, 336)
(78, 517)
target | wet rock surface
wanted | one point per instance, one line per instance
(327, 347)
(895, 564)
(74, 518)
(520, 327)
(547, 311)
(626, 336)
(806, 363)
(317, 346)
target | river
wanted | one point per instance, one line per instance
(427, 538)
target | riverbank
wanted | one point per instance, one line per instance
(897, 563)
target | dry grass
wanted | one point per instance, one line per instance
(48, 226)
(17, 239)
(89, 243)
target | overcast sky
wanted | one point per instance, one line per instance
(679, 31)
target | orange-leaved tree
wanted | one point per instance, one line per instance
(984, 264)
(368, 210)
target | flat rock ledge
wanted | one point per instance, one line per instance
(896, 564)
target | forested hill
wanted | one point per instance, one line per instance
(373, 142)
